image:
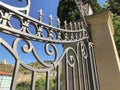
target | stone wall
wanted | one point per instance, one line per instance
(106, 55)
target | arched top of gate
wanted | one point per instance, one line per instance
(72, 32)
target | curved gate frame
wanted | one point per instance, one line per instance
(82, 51)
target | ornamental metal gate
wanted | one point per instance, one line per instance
(75, 69)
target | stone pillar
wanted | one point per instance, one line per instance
(107, 59)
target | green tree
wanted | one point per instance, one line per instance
(96, 6)
(52, 84)
(116, 23)
(41, 84)
(68, 11)
(113, 6)
(23, 86)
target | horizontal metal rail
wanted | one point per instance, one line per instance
(69, 36)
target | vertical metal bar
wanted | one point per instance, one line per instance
(84, 74)
(79, 78)
(85, 65)
(92, 69)
(66, 74)
(88, 78)
(58, 77)
(78, 66)
(33, 80)
(73, 76)
(47, 80)
(15, 75)
(95, 69)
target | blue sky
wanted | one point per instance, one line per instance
(101, 2)
(48, 7)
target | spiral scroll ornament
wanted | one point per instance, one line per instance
(71, 57)
(84, 51)
(52, 51)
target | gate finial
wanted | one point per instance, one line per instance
(70, 25)
(75, 25)
(40, 15)
(58, 23)
(51, 19)
(65, 22)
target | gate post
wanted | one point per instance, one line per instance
(106, 55)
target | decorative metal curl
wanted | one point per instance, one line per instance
(27, 48)
(71, 57)
(52, 51)
(84, 50)
(85, 34)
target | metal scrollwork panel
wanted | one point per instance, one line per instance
(19, 24)
(28, 48)
(73, 66)
(69, 53)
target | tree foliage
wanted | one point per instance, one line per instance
(113, 6)
(116, 23)
(96, 6)
(39, 85)
(23, 86)
(67, 10)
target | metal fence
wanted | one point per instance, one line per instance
(75, 69)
